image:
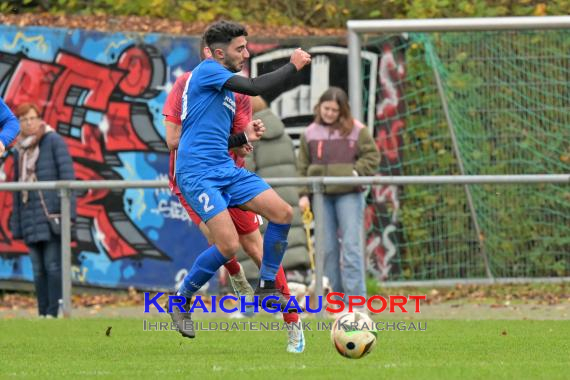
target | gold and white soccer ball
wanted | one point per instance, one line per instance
(354, 335)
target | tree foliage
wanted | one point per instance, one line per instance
(312, 13)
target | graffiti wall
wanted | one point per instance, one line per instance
(104, 94)
(382, 223)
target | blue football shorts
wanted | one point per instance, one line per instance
(211, 192)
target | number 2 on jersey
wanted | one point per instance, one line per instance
(205, 199)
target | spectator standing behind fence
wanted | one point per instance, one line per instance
(336, 144)
(9, 127)
(41, 155)
(274, 156)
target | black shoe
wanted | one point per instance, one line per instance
(183, 321)
(268, 289)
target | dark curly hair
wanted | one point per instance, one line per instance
(221, 33)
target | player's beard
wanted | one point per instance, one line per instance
(232, 65)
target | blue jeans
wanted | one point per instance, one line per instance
(344, 260)
(46, 264)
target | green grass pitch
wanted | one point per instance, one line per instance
(79, 348)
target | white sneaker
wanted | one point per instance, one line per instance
(296, 338)
(237, 315)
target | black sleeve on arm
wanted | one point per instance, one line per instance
(236, 140)
(261, 84)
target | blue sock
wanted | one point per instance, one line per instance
(206, 264)
(274, 246)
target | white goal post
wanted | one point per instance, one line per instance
(357, 27)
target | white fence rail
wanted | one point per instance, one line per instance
(317, 183)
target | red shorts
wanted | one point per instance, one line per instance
(245, 221)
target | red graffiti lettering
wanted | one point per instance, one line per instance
(91, 205)
(135, 61)
(75, 98)
(31, 82)
(7, 243)
(389, 143)
(122, 135)
(81, 84)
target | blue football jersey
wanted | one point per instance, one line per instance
(208, 111)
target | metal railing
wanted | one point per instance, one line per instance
(317, 184)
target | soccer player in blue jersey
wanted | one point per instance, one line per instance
(9, 127)
(208, 177)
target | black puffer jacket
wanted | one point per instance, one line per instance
(29, 221)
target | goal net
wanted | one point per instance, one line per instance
(470, 102)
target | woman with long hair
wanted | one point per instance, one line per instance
(336, 144)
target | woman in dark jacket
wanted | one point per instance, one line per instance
(41, 155)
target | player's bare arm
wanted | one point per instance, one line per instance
(173, 131)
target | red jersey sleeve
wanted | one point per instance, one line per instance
(241, 119)
(243, 113)
(172, 109)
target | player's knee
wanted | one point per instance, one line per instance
(286, 214)
(228, 247)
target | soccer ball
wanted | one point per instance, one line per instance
(354, 335)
